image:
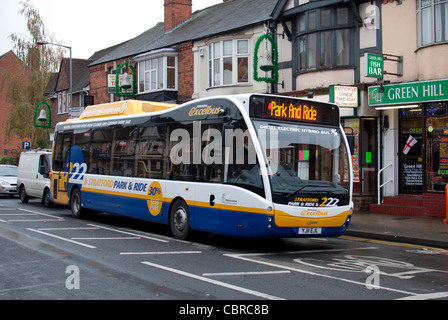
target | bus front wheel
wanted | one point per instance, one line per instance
(180, 220)
(75, 204)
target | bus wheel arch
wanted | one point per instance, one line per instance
(179, 219)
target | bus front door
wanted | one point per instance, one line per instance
(61, 170)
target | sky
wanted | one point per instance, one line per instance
(86, 25)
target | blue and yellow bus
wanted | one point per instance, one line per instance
(250, 165)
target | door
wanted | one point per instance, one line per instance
(61, 163)
(411, 155)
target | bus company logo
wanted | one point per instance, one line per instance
(314, 213)
(155, 200)
(203, 110)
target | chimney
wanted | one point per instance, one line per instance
(176, 12)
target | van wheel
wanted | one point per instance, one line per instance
(180, 220)
(75, 204)
(22, 194)
(46, 199)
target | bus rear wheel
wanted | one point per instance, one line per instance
(180, 220)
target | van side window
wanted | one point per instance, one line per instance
(44, 164)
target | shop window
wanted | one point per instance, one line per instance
(424, 148)
(437, 153)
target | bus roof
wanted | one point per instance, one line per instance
(121, 108)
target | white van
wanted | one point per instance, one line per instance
(33, 179)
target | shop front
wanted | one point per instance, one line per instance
(363, 126)
(421, 111)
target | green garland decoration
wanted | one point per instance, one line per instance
(45, 105)
(117, 81)
(274, 78)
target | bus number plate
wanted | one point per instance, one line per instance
(310, 230)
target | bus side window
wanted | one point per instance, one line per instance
(82, 139)
(210, 169)
(123, 148)
(150, 152)
(100, 150)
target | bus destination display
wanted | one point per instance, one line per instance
(278, 108)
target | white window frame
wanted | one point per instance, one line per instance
(59, 102)
(146, 68)
(432, 24)
(63, 102)
(217, 57)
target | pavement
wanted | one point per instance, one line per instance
(425, 231)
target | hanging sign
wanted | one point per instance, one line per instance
(268, 63)
(45, 123)
(374, 65)
(127, 82)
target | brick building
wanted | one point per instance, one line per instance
(162, 54)
(171, 59)
(58, 90)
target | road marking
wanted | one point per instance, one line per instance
(30, 213)
(42, 214)
(160, 252)
(245, 257)
(305, 251)
(62, 238)
(215, 282)
(35, 220)
(106, 238)
(64, 229)
(18, 214)
(427, 296)
(250, 273)
(129, 233)
(391, 243)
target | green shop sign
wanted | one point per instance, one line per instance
(406, 93)
(374, 65)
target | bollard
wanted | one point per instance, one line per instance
(446, 204)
